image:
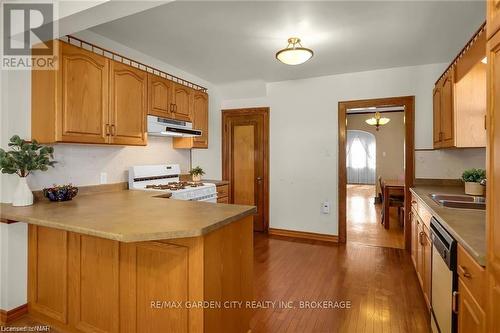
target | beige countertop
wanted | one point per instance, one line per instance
(467, 226)
(129, 216)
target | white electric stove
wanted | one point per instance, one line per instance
(165, 178)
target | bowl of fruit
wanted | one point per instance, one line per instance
(60, 192)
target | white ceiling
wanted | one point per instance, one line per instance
(231, 41)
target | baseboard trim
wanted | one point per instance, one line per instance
(11, 315)
(303, 235)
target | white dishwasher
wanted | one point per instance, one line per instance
(444, 280)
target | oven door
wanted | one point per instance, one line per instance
(442, 295)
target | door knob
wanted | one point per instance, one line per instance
(259, 179)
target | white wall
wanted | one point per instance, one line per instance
(82, 164)
(304, 138)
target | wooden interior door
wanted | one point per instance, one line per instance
(128, 88)
(245, 149)
(84, 96)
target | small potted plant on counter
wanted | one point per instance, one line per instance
(196, 174)
(472, 179)
(24, 158)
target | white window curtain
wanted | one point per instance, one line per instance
(361, 157)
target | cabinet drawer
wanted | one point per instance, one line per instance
(472, 275)
(222, 191)
(223, 200)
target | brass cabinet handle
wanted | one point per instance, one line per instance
(466, 273)
(421, 238)
(113, 130)
(413, 202)
(454, 302)
(107, 129)
(172, 107)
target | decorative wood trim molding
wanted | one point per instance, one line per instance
(11, 315)
(303, 235)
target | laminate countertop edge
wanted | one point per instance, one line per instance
(477, 252)
(129, 216)
(135, 238)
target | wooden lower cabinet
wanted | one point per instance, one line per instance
(471, 317)
(81, 283)
(421, 254)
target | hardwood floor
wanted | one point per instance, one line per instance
(380, 284)
(363, 220)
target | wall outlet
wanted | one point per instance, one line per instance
(325, 207)
(104, 178)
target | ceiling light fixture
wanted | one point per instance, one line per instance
(484, 60)
(377, 120)
(294, 53)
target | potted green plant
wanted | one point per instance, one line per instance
(24, 158)
(196, 173)
(472, 179)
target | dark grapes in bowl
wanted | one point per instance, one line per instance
(60, 192)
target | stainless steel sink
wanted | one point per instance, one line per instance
(459, 201)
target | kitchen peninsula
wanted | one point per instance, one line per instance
(119, 261)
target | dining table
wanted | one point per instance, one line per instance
(390, 186)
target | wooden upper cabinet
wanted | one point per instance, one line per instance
(84, 95)
(447, 104)
(436, 102)
(128, 95)
(160, 97)
(492, 17)
(459, 99)
(182, 102)
(71, 104)
(200, 122)
(89, 99)
(200, 119)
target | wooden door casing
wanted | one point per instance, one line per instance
(128, 89)
(83, 91)
(160, 93)
(182, 103)
(253, 122)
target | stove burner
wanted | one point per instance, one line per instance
(173, 186)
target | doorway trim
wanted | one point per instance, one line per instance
(264, 111)
(409, 106)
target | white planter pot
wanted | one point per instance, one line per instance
(472, 188)
(22, 195)
(196, 178)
